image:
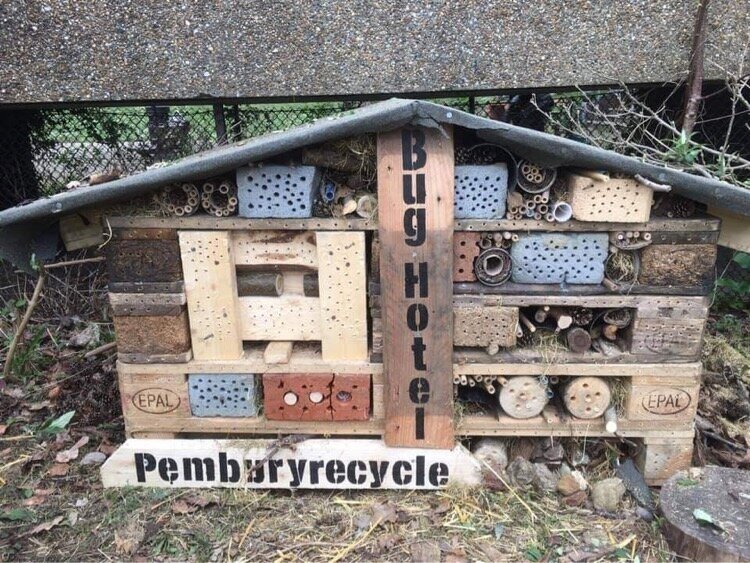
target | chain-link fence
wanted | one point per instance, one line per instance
(42, 151)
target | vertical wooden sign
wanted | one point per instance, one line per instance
(415, 217)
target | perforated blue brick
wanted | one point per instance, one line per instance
(219, 394)
(273, 191)
(481, 191)
(556, 257)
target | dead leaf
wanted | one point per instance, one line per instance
(38, 406)
(72, 517)
(33, 501)
(58, 470)
(201, 501)
(425, 552)
(72, 453)
(181, 506)
(53, 393)
(386, 542)
(383, 513)
(14, 392)
(43, 492)
(129, 538)
(45, 526)
(3, 429)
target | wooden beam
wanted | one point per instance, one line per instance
(342, 284)
(415, 194)
(735, 230)
(211, 289)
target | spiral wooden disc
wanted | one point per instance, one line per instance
(587, 397)
(523, 397)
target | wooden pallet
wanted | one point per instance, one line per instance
(221, 320)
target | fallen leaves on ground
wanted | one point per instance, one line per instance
(71, 453)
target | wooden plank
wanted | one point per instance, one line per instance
(311, 464)
(667, 337)
(206, 223)
(211, 289)
(561, 369)
(343, 295)
(658, 224)
(147, 287)
(735, 229)
(306, 357)
(662, 457)
(142, 234)
(415, 195)
(560, 354)
(278, 352)
(275, 250)
(684, 237)
(287, 317)
(581, 290)
(662, 399)
(82, 229)
(140, 358)
(158, 397)
(143, 261)
(202, 222)
(147, 304)
(492, 425)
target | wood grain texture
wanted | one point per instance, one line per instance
(342, 281)
(735, 230)
(424, 420)
(211, 289)
(667, 337)
(662, 399)
(287, 317)
(663, 457)
(82, 229)
(275, 250)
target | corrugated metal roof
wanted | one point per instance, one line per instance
(20, 226)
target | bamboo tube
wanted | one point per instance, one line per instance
(526, 322)
(540, 315)
(610, 285)
(464, 380)
(609, 331)
(493, 349)
(610, 418)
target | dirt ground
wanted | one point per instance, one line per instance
(53, 508)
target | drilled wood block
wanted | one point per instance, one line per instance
(465, 250)
(666, 336)
(211, 289)
(316, 396)
(482, 326)
(144, 260)
(677, 264)
(275, 250)
(667, 400)
(663, 457)
(156, 335)
(618, 200)
(147, 304)
(82, 229)
(144, 234)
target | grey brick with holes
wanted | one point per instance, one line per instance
(481, 191)
(278, 192)
(556, 257)
(233, 395)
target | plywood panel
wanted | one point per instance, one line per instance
(287, 317)
(343, 295)
(211, 289)
(415, 195)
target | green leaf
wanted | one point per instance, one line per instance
(743, 259)
(59, 424)
(685, 482)
(534, 554)
(17, 514)
(705, 519)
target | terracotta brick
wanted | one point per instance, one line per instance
(465, 250)
(342, 396)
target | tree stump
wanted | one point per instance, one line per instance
(721, 492)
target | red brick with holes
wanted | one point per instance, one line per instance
(316, 396)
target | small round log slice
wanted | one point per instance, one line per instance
(522, 397)
(721, 492)
(587, 397)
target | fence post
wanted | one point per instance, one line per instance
(472, 105)
(221, 124)
(236, 123)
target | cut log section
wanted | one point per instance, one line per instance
(523, 397)
(720, 493)
(587, 397)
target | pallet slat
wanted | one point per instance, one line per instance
(211, 289)
(286, 317)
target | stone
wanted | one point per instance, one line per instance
(577, 499)
(493, 452)
(521, 472)
(607, 494)
(548, 451)
(544, 479)
(570, 483)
